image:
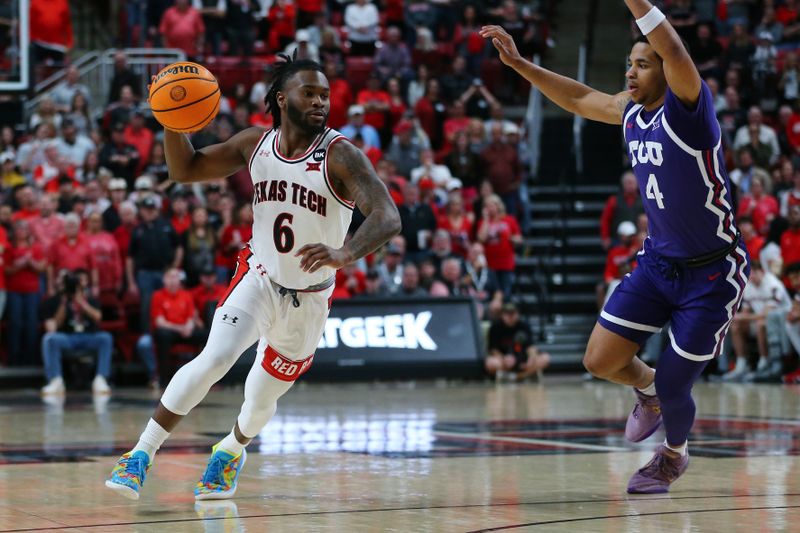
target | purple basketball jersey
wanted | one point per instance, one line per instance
(678, 160)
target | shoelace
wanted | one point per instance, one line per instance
(660, 464)
(134, 466)
(213, 473)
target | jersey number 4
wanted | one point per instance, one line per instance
(282, 233)
(652, 191)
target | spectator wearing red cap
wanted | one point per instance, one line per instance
(406, 147)
(182, 27)
(24, 261)
(499, 233)
(105, 255)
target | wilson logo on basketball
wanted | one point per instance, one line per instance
(179, 69)
(177, 93)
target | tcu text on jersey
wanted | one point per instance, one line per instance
(645, 152)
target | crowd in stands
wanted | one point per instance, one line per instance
(85, 192)
(747, 52)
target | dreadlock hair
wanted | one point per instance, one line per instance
(283, 69)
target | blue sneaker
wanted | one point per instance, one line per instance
(129, 473)
(219, 479)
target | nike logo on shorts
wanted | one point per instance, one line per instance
(712, 277)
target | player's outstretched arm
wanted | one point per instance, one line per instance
(352, 174)
(187, 165)
(679, 69)
(567, 93)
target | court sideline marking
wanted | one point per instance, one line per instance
(520, 440)
(465, 506)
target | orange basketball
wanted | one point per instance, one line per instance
(184, 97)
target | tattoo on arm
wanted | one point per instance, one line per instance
(353, 171)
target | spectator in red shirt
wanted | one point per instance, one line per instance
(790, 240)
(499, 234)
(373, 154)
(233, 238)
(503, 169)
(182, 27)
(620, 261)
(281, 18)
(350, 282)
(341, 96)
(173, 319)
(50, 30)
(105, 253)
(207, 293)
(181, 219)
(625, 205)
(71, 252)
(48, 226)
(752, 240)
(759, 205)
(122, 233)
(26, 203)
(140, 137)
(458, 223)
(376, 102)
(24, 261)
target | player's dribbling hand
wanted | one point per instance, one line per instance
(316, 256)
(503, 42)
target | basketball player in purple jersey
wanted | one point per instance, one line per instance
(692, 268)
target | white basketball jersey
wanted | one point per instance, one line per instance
(294, 204)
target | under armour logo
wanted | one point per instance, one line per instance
(313, 166)
(656, 124)
(261, 270)
(629, 125)
(264, 153)
(229, 319)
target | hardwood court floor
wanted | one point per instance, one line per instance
(351, 458)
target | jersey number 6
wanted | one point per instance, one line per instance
(282, 233)
(652, 191)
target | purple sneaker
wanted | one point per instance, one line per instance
(656, 476)
(644, 419)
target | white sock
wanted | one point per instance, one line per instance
(151, 439)
(231, 445)
(741, 365)
(680, 449)
(650, 390)
(762, 363)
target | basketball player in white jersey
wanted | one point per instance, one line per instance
(307, 180)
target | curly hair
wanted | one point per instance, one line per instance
(282, 71)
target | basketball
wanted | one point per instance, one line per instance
(184, 97)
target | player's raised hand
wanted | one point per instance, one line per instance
(503, 42)
(316, 256)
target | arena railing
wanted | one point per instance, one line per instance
(97, 68)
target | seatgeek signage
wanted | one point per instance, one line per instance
(362, 332)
